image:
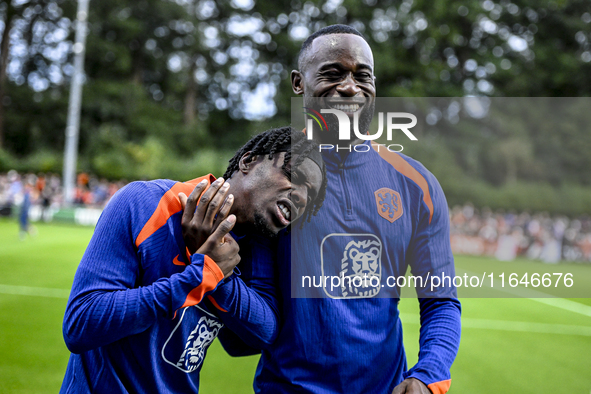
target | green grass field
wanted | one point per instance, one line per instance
(508, 345)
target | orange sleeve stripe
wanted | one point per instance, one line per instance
(169, 205)
(215, 303)
(212, 275)
(402, 166)
(440, 387)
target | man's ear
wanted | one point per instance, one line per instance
(246, 161)
(297, 82)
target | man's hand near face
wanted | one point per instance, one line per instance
(206, 229)
(132, 294)
(411, 386)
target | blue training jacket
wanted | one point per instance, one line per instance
(383, 213)
(142, 311)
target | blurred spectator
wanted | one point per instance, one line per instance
(508, 235)
(46, 192)
(15, 188)
(23, 217)
(504, 235)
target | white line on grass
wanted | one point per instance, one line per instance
(565, 304)
(34, 291)
(506, 325)
(538, 296)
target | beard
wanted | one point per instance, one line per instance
(366, 116)
(261, 227)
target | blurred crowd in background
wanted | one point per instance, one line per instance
(507, 235)
(504, 235)
(45, 190)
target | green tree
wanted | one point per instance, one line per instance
(174, 85)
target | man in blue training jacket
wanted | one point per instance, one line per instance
(156, 283)
(383, 213)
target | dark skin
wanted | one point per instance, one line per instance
(262, 192)
(339, 67)
(411, 386)
(258, 187)
(205, 233)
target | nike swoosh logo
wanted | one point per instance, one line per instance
(176, 261)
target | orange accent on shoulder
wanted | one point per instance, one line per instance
(440, 387)
(169, 205)
(215, 303)
(212, 275)
(403, 167)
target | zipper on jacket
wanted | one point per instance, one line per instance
(348, 208)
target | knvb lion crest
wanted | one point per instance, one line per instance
(197, 343)
(184, 349)
(356, 260)
(389, 204)
(361, 265)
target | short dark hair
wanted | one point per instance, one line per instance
(332, 29)
(292, 142)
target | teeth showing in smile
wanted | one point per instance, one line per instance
(285, 210)
(346, 108)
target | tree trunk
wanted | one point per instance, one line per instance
(28, 36)
(137, 75)
(4, 47)
(190, 95)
